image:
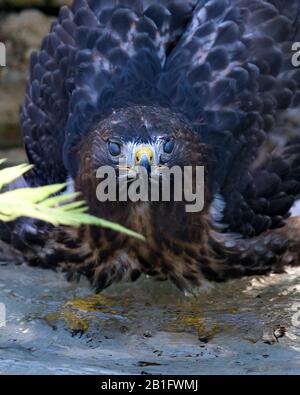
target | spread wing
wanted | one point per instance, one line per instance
(99, 54)
(232, 73)
(226, 64)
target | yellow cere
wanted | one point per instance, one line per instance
(143, 151)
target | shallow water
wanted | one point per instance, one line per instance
(249, 326)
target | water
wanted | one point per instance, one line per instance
(249, 326)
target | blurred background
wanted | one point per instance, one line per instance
(23, 23)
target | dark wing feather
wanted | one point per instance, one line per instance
(264, 198)
(233, 74)
(99, 54)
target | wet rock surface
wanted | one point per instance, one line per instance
(250, 326)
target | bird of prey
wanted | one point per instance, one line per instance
(191, 83)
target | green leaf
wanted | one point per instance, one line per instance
(10, 174)
(39, 203)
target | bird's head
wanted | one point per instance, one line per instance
(137, 137)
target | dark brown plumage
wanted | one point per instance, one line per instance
(214, 78)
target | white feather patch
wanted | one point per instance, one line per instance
(295, 210)
(217, 208)
(70, 186)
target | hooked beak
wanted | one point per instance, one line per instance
(144, 157)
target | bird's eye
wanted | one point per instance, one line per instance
(169, 146)
(114, 148)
